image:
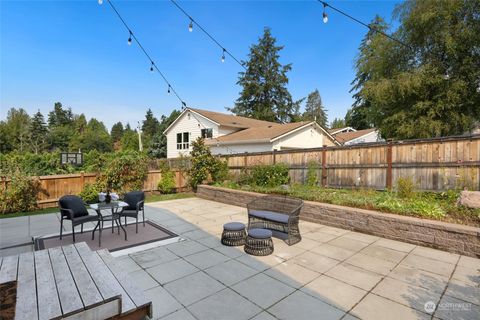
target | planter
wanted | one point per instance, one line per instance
(445, 236)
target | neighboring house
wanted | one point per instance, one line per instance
(228, 134)
(349, 136)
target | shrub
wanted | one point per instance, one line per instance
(405, 187)
(219, 170)
(204, 165)
(167, 183)
(270, 175)
(20, 195)
(90, 192)
(312, 179)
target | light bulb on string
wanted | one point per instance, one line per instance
(168, 91)
(369, 40)
(325, 16)
(100, 2)
(151, 67)
(129, 41)
(223, 56)
(190, 26)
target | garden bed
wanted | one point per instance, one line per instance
(446, 236)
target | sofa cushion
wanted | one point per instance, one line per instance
(269, 215)
(260, 233)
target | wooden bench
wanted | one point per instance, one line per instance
(72, 282)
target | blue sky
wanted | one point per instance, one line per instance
(76, 52)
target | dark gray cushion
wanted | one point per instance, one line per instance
(260, 233)
(234, 226)
(132, 198)
(270, 215)
(75, 204)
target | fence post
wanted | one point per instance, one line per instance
(389, 165)
(245, 161)
(274, 156)
(324, 166)
(82, 179)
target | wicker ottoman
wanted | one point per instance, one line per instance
(259, 242)
(234, 234)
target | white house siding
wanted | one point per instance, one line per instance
(308, 137)
(373, 136)
(241, 148)
(193, 124)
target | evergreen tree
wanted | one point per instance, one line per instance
(116, 132)
(60, 116)
(39, 132)
(61, 129)
(314, 109)
(18, 129)
(337, 123)
(150, 128)
(265, 95)
(158, 147)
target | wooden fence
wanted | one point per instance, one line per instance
(433, 164)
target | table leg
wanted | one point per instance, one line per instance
(120, 224)
(93, 232)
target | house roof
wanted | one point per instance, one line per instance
(264, 133)
(347, 136)
(230, 120)
(338, 130)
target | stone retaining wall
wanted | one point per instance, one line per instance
(441, 235)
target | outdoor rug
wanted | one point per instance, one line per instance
(111, 241)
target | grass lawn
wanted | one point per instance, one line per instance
(429, 205)
(149, 198)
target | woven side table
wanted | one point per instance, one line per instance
(259, 242)
(234, 234)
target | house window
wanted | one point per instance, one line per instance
(183, 140)
(207, 133)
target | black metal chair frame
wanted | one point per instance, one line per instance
(277, 204)
(68, 214)
(129, 213)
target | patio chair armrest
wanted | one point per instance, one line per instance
(68, 211)
(140, 205)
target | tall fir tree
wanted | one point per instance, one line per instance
(158, 147)
(337, 123)
(117, 132)
(38, 129)
(264, 93)
(315, 110)
(150, 128)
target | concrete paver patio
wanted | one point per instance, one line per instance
(331, 274)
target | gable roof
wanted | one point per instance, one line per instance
(339, 130)
(347, 136)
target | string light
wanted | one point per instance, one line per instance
(325, 16)
(100, 2)
(142, 48)
(223, 56)
(129, 41)
(190, 26)
(168, 91)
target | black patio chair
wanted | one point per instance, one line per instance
(135, 200)
(73, 208)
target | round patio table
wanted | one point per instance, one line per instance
(114, 216)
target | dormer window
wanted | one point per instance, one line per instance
(207, 133)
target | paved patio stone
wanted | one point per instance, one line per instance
(300, 306)
(292, 274)
(143, 280)
(466, 292)
(374, 307)
(470, 276)
(211, 242)
(333, 252)
(469, 262)
(225, 304)
(163, 302)
(231, 252)
(361, 237)
(263, 290)
(196, 234)
(334, 231)
(315, 262)
(370, 263)
(427, 264)
(436, 254)
(384, 253)
(128, 264)
(206, 259)
(171, 271)
(347, 243)
(421, 278)
(334, 292)
(406, 294)
(185, 248)
(264, 316)
(307, 243)
(231, 272)
(451, 308)
(319, 236)
(150, 258)
(395, 245)
(193, 288)
(259, 263)
(355, 276)
(286, 252)
(181, 314)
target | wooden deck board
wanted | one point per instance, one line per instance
(136, 294)
(66, 287)
(8, 272)
(104, 279)
(26, 306)
(48, 303)
(85, 285)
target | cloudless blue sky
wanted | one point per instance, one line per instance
(76, 52)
